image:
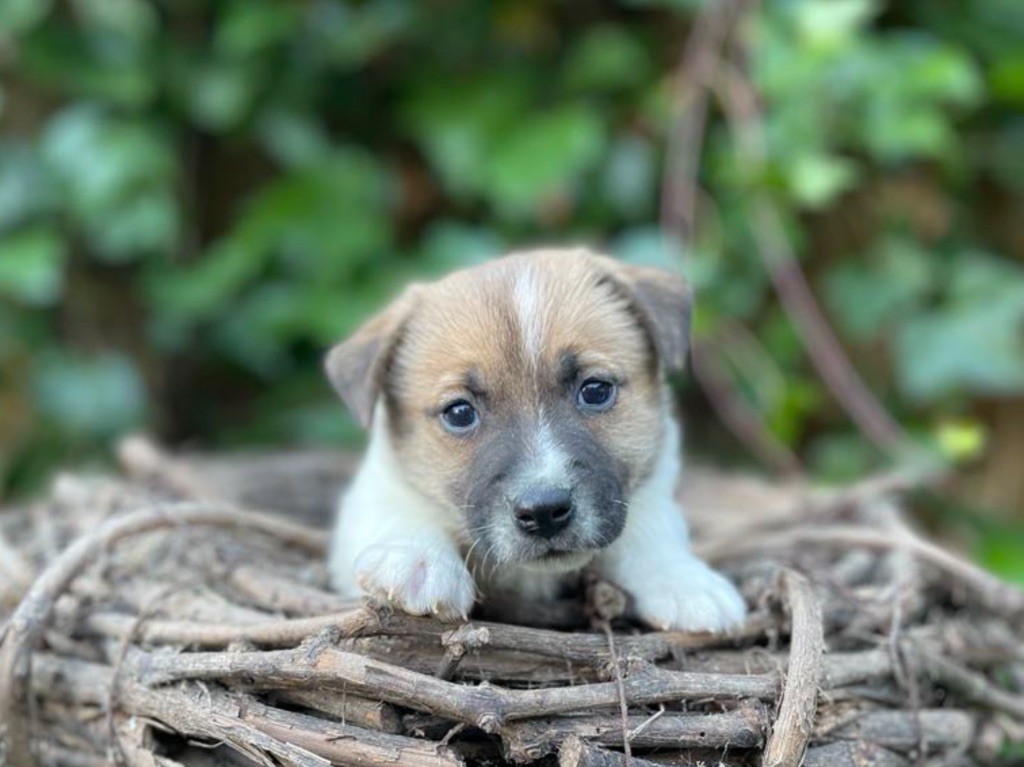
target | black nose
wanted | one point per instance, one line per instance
(543, 511)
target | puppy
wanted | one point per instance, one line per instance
(521, 429)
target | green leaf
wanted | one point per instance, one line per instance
(541, 156)
(220, 94)
(19, 16)
(460, 124)
(32, 266)
(607, 57)
(26, 189)
(1001, 550)
(142, 225)
(829, 22)
(867, 295)
(104, 19)
(294, 140)
(815, 180)
(249, 27)
(101, 160)
(973, 345)
(89, 397)
(448, 246)
(648, 246)
(631, 176)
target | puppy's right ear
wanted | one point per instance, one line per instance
(358, 366)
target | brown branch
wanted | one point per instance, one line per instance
(697, 69)
(996, 594)
(29, 620)
(240, 720)
(371, 621)
(743, 421)
(533, 739)
(853, 754)
(905, 731)
(576, 752)
(794, 724)
(347, 708)
(487, 707)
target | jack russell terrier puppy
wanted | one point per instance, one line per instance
(521, 429)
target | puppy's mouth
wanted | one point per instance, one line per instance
(555, 561)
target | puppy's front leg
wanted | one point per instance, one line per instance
(391, 544)
(671, 588)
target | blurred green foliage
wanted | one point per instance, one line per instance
(198, 197)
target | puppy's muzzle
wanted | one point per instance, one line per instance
(543, 512)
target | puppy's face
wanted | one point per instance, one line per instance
(524, 396)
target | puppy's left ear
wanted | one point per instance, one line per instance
(357, 367)
(664, 302)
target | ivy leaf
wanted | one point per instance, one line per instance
(815, 180)
(31, 266)
(542, 156)
(974, 344)
(607, 58)
(90, 397)
(867, 295)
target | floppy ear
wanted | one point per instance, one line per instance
(357, 366)
(664, 302)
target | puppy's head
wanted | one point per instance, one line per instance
(524, 396)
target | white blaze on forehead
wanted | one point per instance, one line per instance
(528, 295)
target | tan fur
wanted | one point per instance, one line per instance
(467, 323)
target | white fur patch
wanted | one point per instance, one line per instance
(672, 589)
(391, 542)
(528, 298)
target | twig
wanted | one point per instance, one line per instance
(853, 754)
(241, 719)
(576, 752)
(744, 422)
(486, 707)
(29, 619)
(744, 727)
(996, 594)
(903, 731)
(795, 721)
(697, 69)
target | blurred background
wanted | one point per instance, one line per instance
(197, 197)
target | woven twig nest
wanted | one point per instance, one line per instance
(155, 620)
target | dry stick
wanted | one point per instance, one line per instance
(852, 754)
(905, 731)
(795, 721)
(576, 752)
(347, 708)
(744, 727)
(15, 570)
(240, 720)
(696, 71)
(29, 619)
(742, 419)
(971, 686)
(142, 459)
(996, 594)
(279, 593)
(487, 707)
(369, 621)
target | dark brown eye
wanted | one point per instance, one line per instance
(595, 395)
(459, 417)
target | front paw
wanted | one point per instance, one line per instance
(690, 596)
(417, 579)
